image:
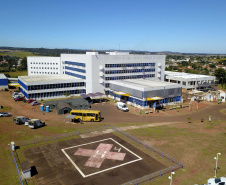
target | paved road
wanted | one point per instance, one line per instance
(112, 115)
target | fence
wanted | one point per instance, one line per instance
(16, 165)
(60, 136)
(177, 163)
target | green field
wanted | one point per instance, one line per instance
(17, 53)
(194, 144)
(16, 74)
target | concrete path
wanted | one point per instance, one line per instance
(147, 125)
(96, 133)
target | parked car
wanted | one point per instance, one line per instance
(35, 123)
(19, 98)
(20, 120)
(122, 106)
(217, 181)
(4, 114)
(16, 94)
(30, 100)
(35, 103)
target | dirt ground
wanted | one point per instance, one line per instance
(198, 137)
(112, 115)
(54, 167)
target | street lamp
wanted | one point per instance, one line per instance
(171, 177)
(216, 158)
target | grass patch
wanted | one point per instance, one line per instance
(223, 111)
(192, 145)
(16, 74)
(16, 53)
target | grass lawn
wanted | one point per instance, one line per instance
(16, 74)
(194, 144)
(17, 53)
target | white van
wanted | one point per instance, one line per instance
(122, 106)
(217, 181)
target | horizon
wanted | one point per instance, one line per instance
(153, 26)
(124, 50)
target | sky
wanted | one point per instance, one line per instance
(197, 26)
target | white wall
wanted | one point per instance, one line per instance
(82, 58)
(43, 65)
(93, 63)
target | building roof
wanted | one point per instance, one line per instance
(145, 84)
(62, 105)
(2, 76)
(187, 76)
(47, 79)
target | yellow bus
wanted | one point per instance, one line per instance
(86, 115)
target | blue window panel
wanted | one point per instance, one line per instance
(75, 63)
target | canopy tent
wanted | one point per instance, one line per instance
(14, 84)
(63, 108)
(84, 96)
(121, 93)
(154, 98)
(70, 116)
(96, 95)
(102, 95)
(93, 96)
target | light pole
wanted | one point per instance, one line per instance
(171, 177)
(216, 158)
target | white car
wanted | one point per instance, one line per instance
(4, 114)
(35, 103)
(217, 181)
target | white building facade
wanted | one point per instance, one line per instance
(44, 66)
(98, 69)
(191, 81)
(50, 86)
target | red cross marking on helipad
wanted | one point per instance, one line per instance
(98, 156)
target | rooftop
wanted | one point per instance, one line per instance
(2, 76)
(45, 79)
(145, 84)
(187, 75)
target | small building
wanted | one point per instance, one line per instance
(145, 93)
(63, 108)
(191, 81)
(3, 81)
(74, 103)
(222, 95)
(26, 169)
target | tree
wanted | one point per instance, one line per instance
(184, 63)
(220, 73)
(212, 66)
(23, 64)
(206, 71)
